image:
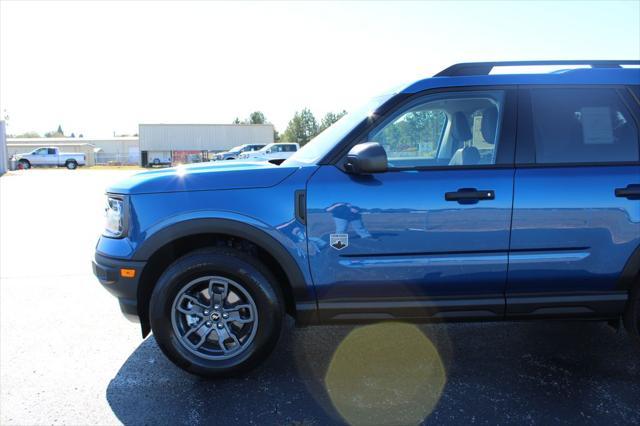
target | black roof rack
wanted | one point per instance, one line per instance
(484, 68)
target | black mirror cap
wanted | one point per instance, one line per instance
(366, 158)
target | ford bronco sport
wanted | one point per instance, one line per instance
(472, 195)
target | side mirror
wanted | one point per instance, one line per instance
(366, 158)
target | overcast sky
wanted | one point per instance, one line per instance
(98, 68)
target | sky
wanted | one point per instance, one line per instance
(100, 68)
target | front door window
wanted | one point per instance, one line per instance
(443, 130)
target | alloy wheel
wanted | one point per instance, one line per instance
(214, 317)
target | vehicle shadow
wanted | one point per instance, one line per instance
(514, 373)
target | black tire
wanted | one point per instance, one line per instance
(26, 165)
(71, 165)
(230, 158)
(632, 313)
(244, 270)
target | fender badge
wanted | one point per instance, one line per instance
(339, 241)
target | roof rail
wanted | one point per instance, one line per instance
(484, 68)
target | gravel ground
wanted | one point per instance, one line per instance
(67, 355)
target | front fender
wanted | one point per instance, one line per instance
(283, 249)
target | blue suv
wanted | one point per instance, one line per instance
(472, 195)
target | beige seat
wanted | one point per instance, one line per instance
(461, 133)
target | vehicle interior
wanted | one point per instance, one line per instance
(455, 132)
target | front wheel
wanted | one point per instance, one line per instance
(632, 313)
(216, 312)
(24, 165)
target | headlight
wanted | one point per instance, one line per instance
(114, 214)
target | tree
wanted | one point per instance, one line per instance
(57, 134)
(416, 132)
(329, 119)
(301, 128)
(257, 117)
(28, 135)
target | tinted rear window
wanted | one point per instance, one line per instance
(582, 126)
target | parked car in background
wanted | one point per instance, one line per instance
(50, 156)
(235, 152)
(159, 158)
(272, 152)
(469, 196)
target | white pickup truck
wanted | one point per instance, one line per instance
(50, 156)
(274, 152)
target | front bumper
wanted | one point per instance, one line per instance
(107, 270)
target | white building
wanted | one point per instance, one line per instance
(185, 143)
(121, 150)
(4, 156)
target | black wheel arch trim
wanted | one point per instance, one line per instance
(304, 298)
(631, 272)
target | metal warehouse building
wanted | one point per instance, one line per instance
(4, 156)
(120, 150)
(187, 143)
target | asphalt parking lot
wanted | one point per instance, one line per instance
(69, 357)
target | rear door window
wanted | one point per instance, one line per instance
(582, 125)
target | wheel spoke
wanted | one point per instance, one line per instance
(201, 330)
(218, 297)
(196, 307)
(236, 316)
(193, 329)
(225, 334)
(233, 336)
(203, 337)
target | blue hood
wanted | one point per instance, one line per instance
(204, 177)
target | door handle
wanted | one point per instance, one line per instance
(632, 192)
(470, 195)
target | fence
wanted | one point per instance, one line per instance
(116, 159)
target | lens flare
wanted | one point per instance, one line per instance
(180, 170)
(386, 373)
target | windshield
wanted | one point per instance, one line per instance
(266, 147)
(237, 148)
(320, 146)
